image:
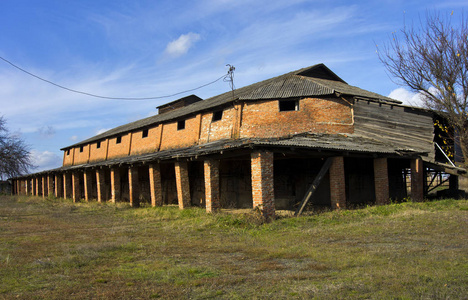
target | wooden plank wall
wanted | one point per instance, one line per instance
(401, 126)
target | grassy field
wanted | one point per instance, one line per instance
(55, 249)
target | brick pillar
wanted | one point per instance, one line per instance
(337, 183)
(33, 186)
(101, 185)
(133, 187)
(182, 182)
(44, 186)
(87, 185)
(263, 193)
(417, 180)
(211, 168)
(155, 185)
(115, 184)
(38, 186)
(50, 185)
(67, 186)
(382, 194)
(26, 187)
(58, 185)
(76, 188)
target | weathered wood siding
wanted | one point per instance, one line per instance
(403, 126)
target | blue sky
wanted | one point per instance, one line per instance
(154, 48)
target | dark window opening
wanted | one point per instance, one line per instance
(81, 148)
(68, 152)
(144, 133)
(98, 145)
(181, 125)
(217, 115)
(119, 140)
(289, 105)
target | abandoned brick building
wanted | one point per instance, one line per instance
(259, 146)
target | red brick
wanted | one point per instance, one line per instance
(263, 195)
(381, 181)
(211, 172)
(182, 183)
(337, 183)
(76, 187)
(58, 185)
(155, 185)
(115, 184)
(133, 186)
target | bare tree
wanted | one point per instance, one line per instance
(432, 60)
(14, 154)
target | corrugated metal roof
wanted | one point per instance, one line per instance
(311, 142)
(290, 85)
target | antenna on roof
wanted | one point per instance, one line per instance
(230, 78)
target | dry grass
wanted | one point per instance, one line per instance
(55, 249)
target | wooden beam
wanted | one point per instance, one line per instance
(314, 186)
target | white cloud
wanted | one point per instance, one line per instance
(407, 97)
(180, 46)
(74, 138)
(102, 130)
(45, 160)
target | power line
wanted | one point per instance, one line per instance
(105, 97)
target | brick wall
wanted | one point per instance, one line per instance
(146, 144)
(81, 155)
(249, 119)
(119, 149)
(220, 129)
(173, 138)
(95, 153)
(263, 118)
(68, 157)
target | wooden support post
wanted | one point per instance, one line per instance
(314, 186)
(417, 180)
(155, 185)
